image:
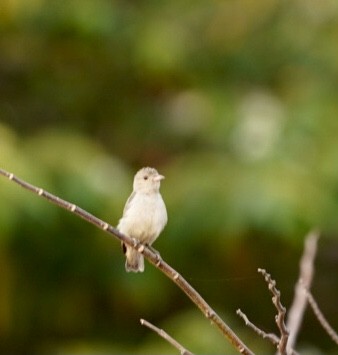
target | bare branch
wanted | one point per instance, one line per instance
(270, 336)
(321, 318)
(280, 317)
(297, 309)
(167, 337)
(150, 255)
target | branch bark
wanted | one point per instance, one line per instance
(270, 336)
(273, 338)
(320, 316)
(306, 266)
(166, 337)
(281, 311)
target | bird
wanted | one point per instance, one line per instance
(144, 215)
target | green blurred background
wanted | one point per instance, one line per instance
(234, 101)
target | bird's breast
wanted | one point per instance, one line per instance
(145, 219)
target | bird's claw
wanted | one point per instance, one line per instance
(156, 252)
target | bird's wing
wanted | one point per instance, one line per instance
(128, 203)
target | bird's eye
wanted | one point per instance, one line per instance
(145, 177)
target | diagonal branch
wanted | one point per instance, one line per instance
(320, 316)
(149, 254)
(306, 266)
(167, 337)
(270, 336)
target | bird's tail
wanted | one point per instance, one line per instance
(134, 260)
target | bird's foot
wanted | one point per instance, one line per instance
(156, 252)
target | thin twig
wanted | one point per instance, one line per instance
(167, 337)
(270, 336)
(280, 317)
(149, 254)
(306, 266)
(273, 338)
(320, 316)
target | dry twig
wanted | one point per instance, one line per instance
(306, 266)
(270, 336)
(280, 317)
(167, 337)
(151, 255)
(321, 318)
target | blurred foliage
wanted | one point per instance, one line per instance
(234, 101)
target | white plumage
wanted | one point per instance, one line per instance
(144, 215)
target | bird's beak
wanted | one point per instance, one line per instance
(158, 177)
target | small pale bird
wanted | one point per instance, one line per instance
(144, 215)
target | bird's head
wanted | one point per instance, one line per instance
(147, 180)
